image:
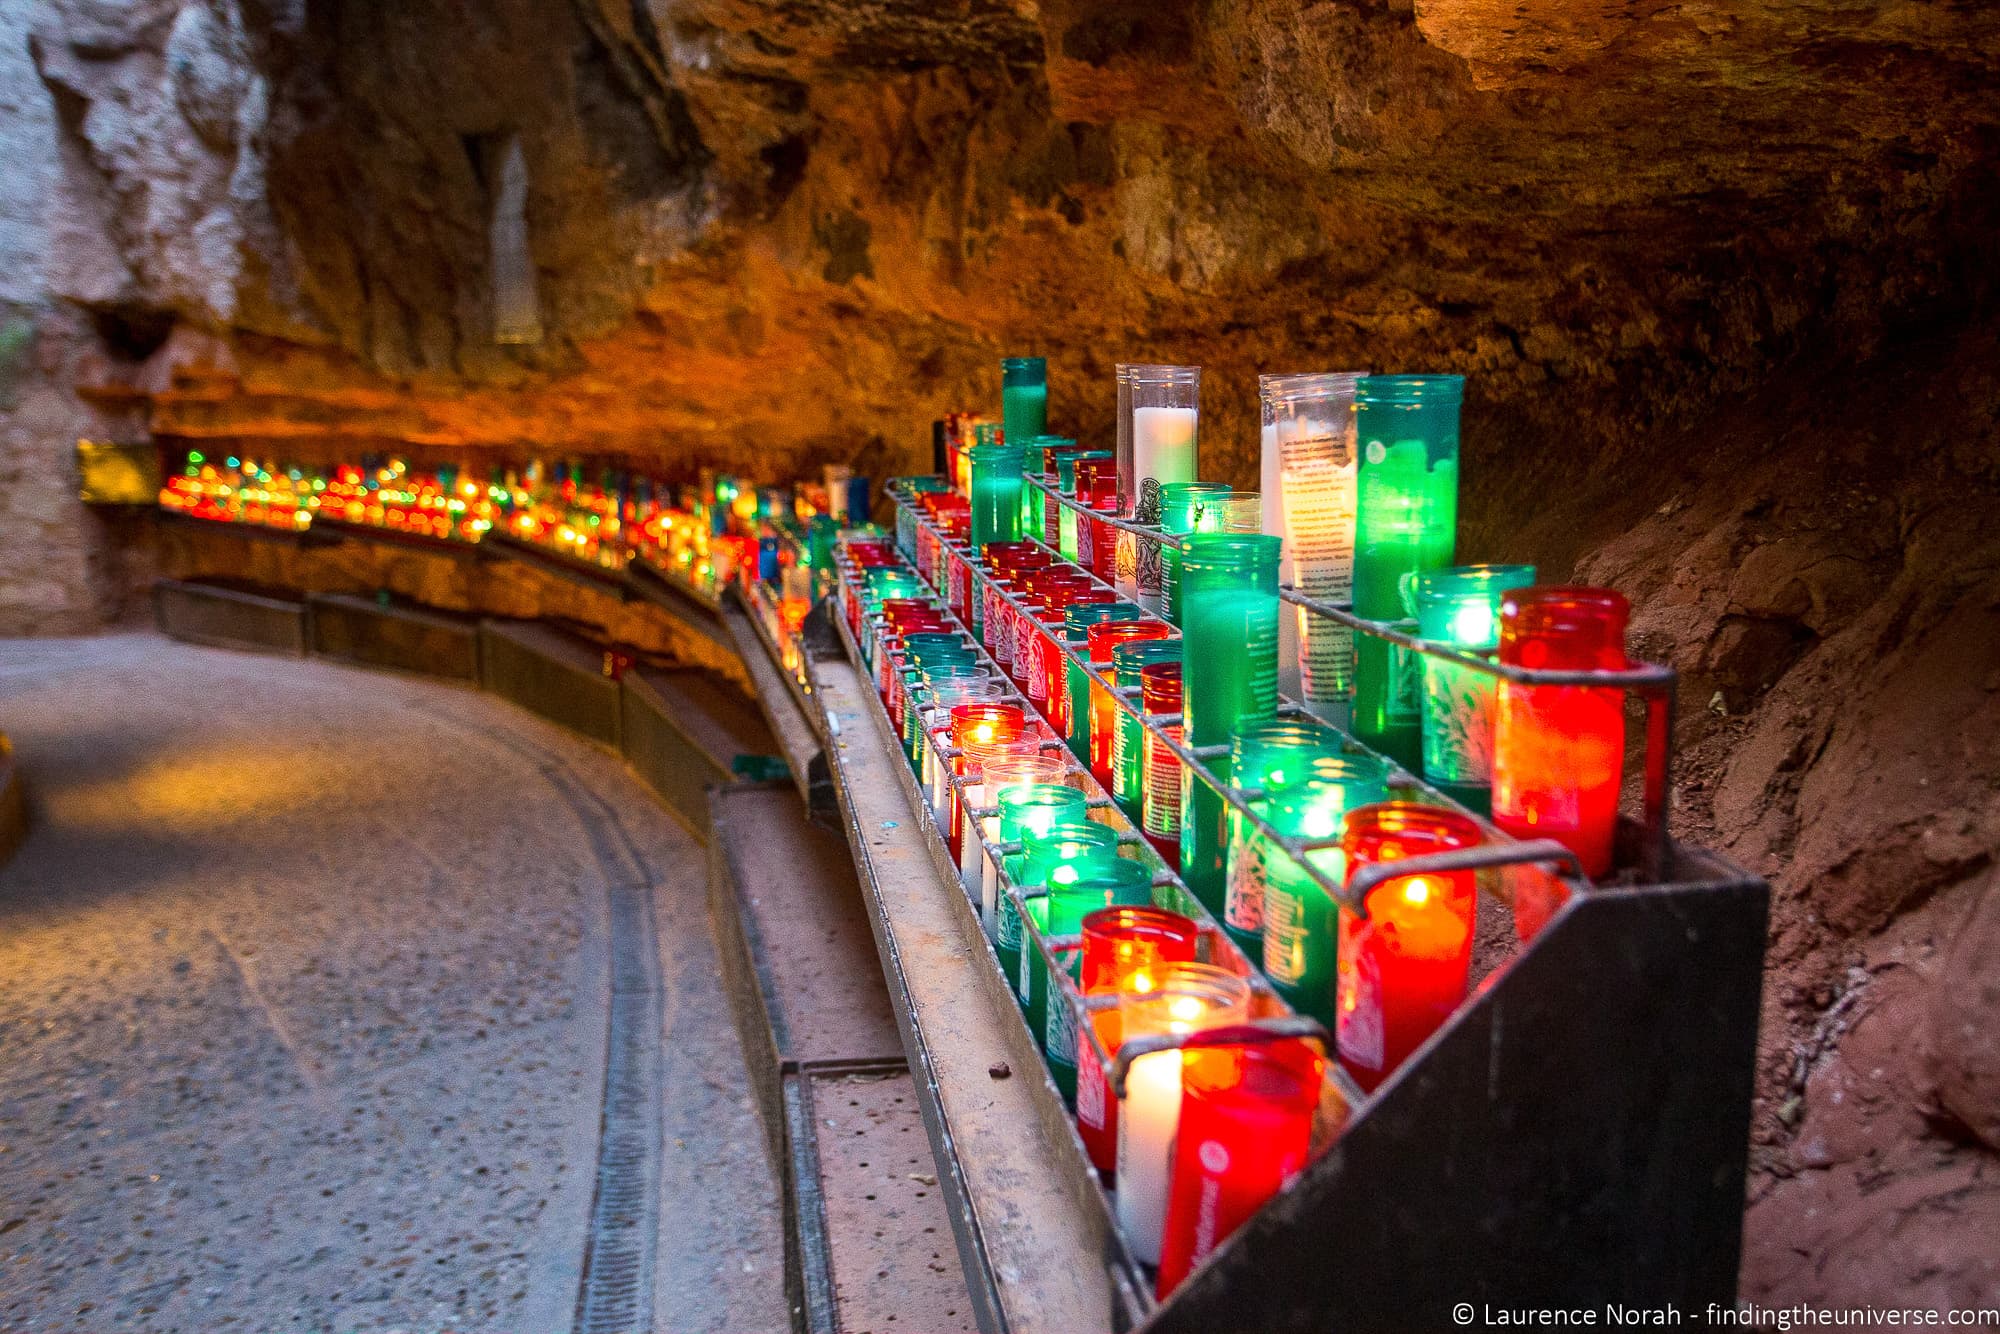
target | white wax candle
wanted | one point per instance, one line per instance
(969, 853)
(989, 879)
(1163, 444)
(1147, 1120)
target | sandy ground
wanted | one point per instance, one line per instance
(303, 993)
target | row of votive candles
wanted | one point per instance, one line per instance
(1382, 983)
(1360, 498)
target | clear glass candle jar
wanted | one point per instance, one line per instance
(1559, 751)
(975, 726)
(1405, 966)
(1121, 947)
(1229, 634)
(1301, 923)
(1406, 521)
(1460, 606)
(991, 770)
(1184, 998)
(1160, 685)
(1265, 756)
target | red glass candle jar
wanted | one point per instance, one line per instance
(1246, 1130)
(1403, 968)
(1096, 540)
(1121, 947)
(1160, 802)
(1559, 751)
(1099, 640)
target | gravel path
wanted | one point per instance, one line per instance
(304, 976)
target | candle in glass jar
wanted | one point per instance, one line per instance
(1098, 884)
(1186, 507)
(1301, 923)
(1128, 751)
(1230, 630)
(1103, 712)
(1002, 768)
(1119, 944)
(977, 725)
(1050, 858)
(1072, 530)
(1460, 606)
(996, 493)
(1160, 819)
(1264, 757)
(1406, 520)
(1405, 966)
(1245, 1132)
(1024, 397)
(1079, 621)
(1182, 998)
(1558, 751)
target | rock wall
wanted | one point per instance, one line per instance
(1723, 278)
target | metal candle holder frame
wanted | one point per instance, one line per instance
(1553, 1188)
(1653, 683)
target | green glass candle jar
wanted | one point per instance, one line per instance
(996, 494)
(1118, 883)
(1039, 461)
(1460, 606)
(1301, 923)
(1024, 398)
(1186, 507)
(1128, 754)
(1406, 521)
(1229, 636)
(1030, 809)
(1052, 856)
(1266, 756)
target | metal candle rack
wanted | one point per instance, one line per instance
(1575, 1135)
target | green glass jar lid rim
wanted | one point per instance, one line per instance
(1409, 389)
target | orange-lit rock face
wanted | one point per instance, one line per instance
(1722, 276)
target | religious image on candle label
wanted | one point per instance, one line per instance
(1360, 1033)
(1060, 1031)
(1090, 1087)
(1318, 472)
(1458, 724)
(1151, 572)
(1243, 904)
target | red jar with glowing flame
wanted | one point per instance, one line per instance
(1099, 640)
(1122, 947)
(1403, 968)
(982, 724)
(1246, 1130)
(1559, 751)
